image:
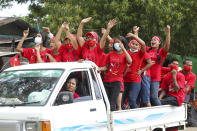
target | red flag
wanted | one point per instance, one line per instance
(14, 61)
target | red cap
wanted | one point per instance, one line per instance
(92, 35)
(74, 36)
(156, 37)
(133, 41)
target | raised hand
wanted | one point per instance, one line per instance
(103, 30)
(46, 29)
(86, 20)
(65, 26)
(26, 32)
(111, 23)
(130, 35)
(136, 28)
(168, 28)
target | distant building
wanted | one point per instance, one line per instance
(11, 31)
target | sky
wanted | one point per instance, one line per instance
(15, 10)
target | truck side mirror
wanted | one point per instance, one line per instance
(65, 97)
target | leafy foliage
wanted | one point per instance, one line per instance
(151, 16)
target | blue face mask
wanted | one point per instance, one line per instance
(117, 47)
(38, 40)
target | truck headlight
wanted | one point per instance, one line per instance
(31, 126)
(38, 126)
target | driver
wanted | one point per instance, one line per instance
(71, 86)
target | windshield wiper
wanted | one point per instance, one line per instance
(19, 104)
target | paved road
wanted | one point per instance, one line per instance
(191, 129)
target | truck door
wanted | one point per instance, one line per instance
(87, 111)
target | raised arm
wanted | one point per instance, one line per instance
(70, 36)
(128, 57)
(142, 43)
(58, 35)
(104, 37)
(135, 30)
(80, 31)
(103, 30)
(20, 44)
(167, 42)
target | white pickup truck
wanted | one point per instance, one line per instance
(31, 100)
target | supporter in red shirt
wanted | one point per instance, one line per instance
(115, 65)
(70, 50)
(38, 54)
(55, 57)
(145, 83)
(173, 86)
(165, 70)
(132, 80)
(157, 56)
(91, 49)
(190, 78)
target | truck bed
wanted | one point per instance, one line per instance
(149, 118)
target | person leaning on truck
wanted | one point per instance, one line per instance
(190, 78)
(173, 86)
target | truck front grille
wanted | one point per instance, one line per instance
(11, 126)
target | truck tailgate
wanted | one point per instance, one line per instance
(149, 118)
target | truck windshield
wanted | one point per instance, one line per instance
(27, 87)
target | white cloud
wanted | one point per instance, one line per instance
(15, 10)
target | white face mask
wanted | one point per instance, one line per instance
(134, 51)
(117, 47)
(38, 40)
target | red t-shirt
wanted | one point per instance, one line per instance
(75, 95)
(92, 55)
(31, 55)
(167, 84)
(117, 64)
(190, 80)
(67, 56)
(102, 59)
(146, 57)
(164, 71)
(57, 57)
(155, 69)
(137, 59)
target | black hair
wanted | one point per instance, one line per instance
(184, 62)
(44, 39)
(74, 79)
(173, 59)
(123, 40)
(158, 56)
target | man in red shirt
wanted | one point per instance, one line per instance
(173, 86)
(190, 78)
(69, 51)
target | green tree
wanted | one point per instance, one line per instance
(151, 16)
